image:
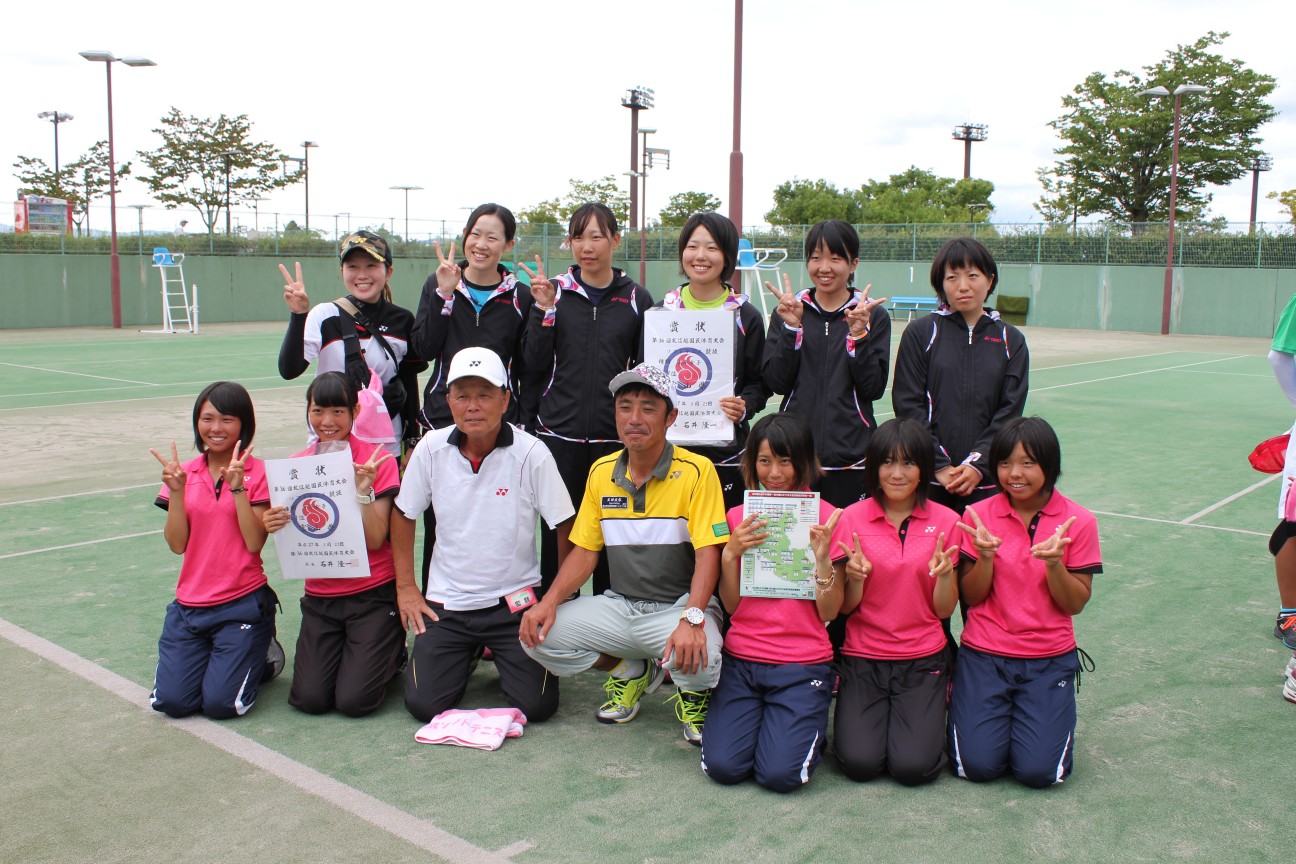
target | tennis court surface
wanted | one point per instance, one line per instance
(1182, 726)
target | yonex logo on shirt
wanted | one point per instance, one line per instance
(501, 492)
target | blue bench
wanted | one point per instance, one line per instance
(912, 305)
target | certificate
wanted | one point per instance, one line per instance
(783, 565)
(696, 349)
(324, 537)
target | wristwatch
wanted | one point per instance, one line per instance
(694, 616)
(366, 499)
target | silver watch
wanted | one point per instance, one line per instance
(694, 616)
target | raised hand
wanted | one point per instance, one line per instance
(1054, 547)
(986, 543)
(857, 566)
(542, 290)
(858, 317)
(942, 560)
(821, 536)
(789, 307)
(366, 474)
(448, 272)
(234, 472)
(173, 476)
(295, 290)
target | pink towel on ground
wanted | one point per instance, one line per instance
(482, 729)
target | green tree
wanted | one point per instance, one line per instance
(79, 182)
(601, 191)
(804, 202)
(189, 167)
(918, 196)
(682, 205)
(1287, 200)
(1116, 151)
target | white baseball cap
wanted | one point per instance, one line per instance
(478, 363)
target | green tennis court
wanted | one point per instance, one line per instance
(1181, 726)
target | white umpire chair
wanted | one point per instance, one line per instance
(757, 265)
(179, 313)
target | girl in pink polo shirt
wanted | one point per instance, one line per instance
(219, 631)
(1029, 556)
(898, 565)
(351, 638)
(769, 712)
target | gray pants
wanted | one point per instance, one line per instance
(631, 629)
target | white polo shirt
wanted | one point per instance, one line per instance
(485, 518)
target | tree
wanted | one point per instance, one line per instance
(1287, 200)
(79, 182)
(804, 202)
(558, 210)
(918, 196)
(1115, 159)
(189, 167)
(682, 205)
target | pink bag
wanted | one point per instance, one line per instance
(374, 424)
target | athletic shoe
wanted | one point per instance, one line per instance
(1289, 685)
(691, 709)
(1290, 671)
(275, 661)
(1285, 629)
(624, 694)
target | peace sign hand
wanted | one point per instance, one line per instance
(542, 290)
(789, 307)
(1054, 547)
(173, 476)
(295, 291)
(235, 471)
(366, 474)
(986, 543)
(821, 537)
(857, 566)
(447, 272)
(858, 317)
(942, 561)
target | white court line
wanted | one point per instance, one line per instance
(380, 814)
(1230, 499)
(77, 494)
(78, 374)
(203, 383)
(1132, 374)
(1110, 360)
(1180, 524)
(135, 399)
(76, 545)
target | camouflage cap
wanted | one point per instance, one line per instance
(369, 242)
(652, 377)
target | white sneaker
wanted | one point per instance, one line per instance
(1289, 680)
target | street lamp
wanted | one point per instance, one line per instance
(1258, 164)
(114, 262)
(229, 156)
(636, 99)
(968, 133)
(407, 190)
(55, 117)
(140, 233)
(1158, 93)
(256, 214)
(736, 155)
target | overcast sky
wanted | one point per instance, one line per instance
(505, 100)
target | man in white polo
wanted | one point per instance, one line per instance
(486, 482)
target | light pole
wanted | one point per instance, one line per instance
(648, 154)
(114, 262)
(1258, 164)
(306, 148)
(407, 190)
(735, 155)
(1158, 93)
(56, 118)
(139, 208)
(348, 215)
(256, 214)
(968, 133)
(636, 99)
(229, 156)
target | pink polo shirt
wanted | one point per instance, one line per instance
(217, 566)
(1019, 618)
(896, 619)
(767, 630)
(381, 567)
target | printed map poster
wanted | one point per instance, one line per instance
(782, 566)
(324, 537)
(696, 350)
